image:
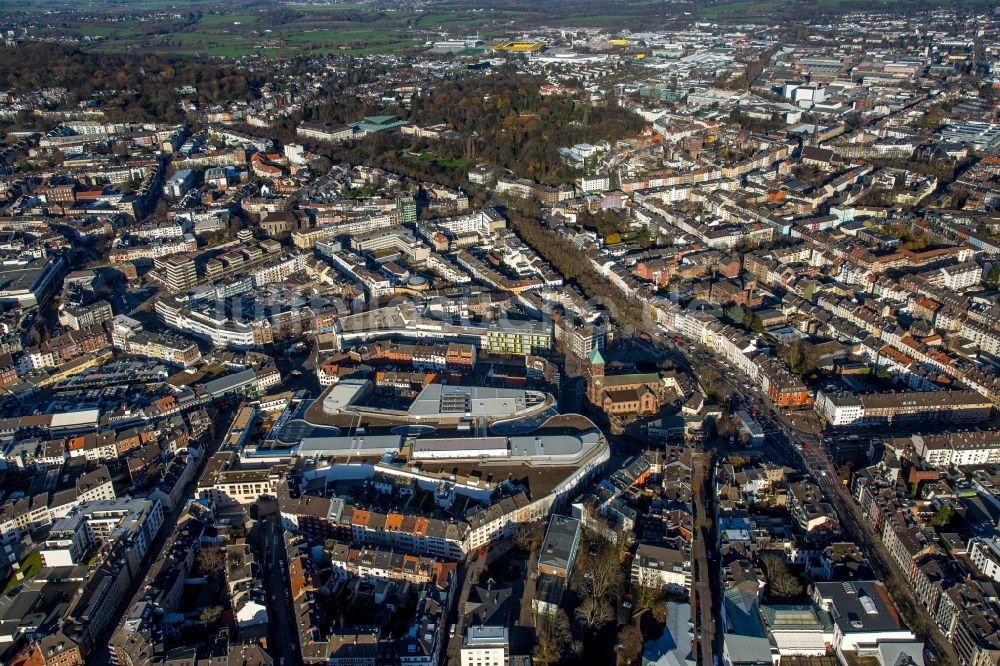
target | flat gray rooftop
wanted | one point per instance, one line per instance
(480, 401)
(560, 542)
(357, 445)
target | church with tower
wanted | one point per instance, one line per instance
(627, 394)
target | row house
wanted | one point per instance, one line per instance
(381, 564)
(930, 574)
(404, 533)
(738, 349)
(413, 534)
(93, 446)
(65, 347)
(783, 388)
(805, 503)
(502, 519)
(905, 540)
(26, 514)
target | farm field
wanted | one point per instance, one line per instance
(260, 27)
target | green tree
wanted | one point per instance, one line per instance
(944, 516)
(993, 276)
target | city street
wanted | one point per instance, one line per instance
(487, 294)
(282, 635)
(704, 562)
(469, 574)
(137, 588)
(806, 451)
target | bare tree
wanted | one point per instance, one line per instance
(605, 569)
(780, 581)
(211, 560)
(629, 645)
(554, 638)
(210, 615)
(595, 612)
(527, 537)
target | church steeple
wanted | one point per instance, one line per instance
(595, 358)
(596, 362)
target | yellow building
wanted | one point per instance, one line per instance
(534, 46)
(519, 338)
(76, 366)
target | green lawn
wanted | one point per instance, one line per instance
(444, 163)
(340, 6)
(341, 36)
(235, 51)
(226, 20)
(726, 8)
(757, 9)
(29, 567)
(215, 44)
(454, 19)
(320, 29)
(388, 47)
(166, 4)
(739, 11)
(46, 5)
(361, 28)
(97, 30)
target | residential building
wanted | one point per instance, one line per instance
(519, 338)
(178, 271)
(884, 409)
(662, 568)
(179, 183)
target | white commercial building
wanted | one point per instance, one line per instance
(985, 555)
(796, 630)
(179, 183)
(804, 95)
(863, 615)
(485, 646)
(839, 409)
(460, 447)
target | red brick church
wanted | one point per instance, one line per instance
(623, 394)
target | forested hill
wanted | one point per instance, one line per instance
(143, 86)
(502, 118)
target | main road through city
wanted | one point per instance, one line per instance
(805, 451)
